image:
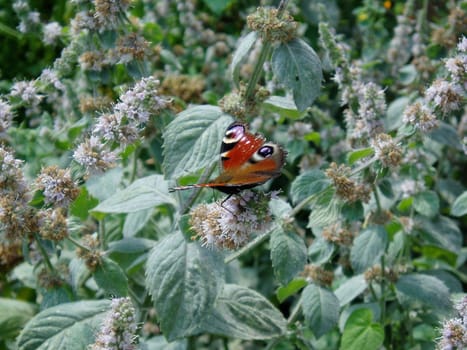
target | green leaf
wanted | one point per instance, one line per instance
(355, 156)
(55, 296)
(353, 211)
(241, 52)
(296, 65)
(243, 313)
(110, 277)
(446, 135)
(102, 186)
(288, 254)
(131, 245)
(83, 204)
(290, 289)
(368, 248)
(160, 343)
(308, 183)
(325, 213)
(320, 251)
(144, 193)
(385, 187)
(360, 333)
(217, 6)
(441, 231)
(136, 221)
(13, 316)
(425, 289)
(459, 207)
(426, 203)
(350, 289)
(70, 326)
(281, 102)
(394, 113)
(320, 309)
(407, 74)
(192, 140)
(184, 281)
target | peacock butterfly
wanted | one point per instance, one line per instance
(247, 160)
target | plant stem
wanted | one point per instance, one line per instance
(383, 285)
(257, 71)
(250, 246)
(102, 234)
(265, 51)
(78, 244)
(44, 254)
(295, 312)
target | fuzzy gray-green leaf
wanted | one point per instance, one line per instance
(192, 140)
(184, 280)
(296, 65)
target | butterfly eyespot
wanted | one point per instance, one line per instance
(266, 151)
(234, 134)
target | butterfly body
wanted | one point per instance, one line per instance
(247, 160)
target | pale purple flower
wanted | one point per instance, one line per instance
(57, 185)
(52, 32)
(50, 76)
(118, 331)
(420, 116)
(6, 116)
(229, 224)
(462, 46)
(445, 95)
(27, 92)
(93, 155)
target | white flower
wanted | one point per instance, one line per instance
(52, 32)
(6, 116)
(445, 95)
(92, 154)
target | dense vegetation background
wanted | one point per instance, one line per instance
(107, 105)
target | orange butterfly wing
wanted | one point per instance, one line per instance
(247, 161)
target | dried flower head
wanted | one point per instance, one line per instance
(17, 219)
(335, 233)
(118, 331)
(318, 275)
(376, 274)
(386, 150)
(92, 154)
(228, 225)
(52, 224)
(346, 188)
(270, 26)
(49, 279)
(420, 116)
(131, 47)
(92, 255)
(11, 254)
(188, 88)
(89, 104)
(110, 12)
(93, 60)
(58, 186)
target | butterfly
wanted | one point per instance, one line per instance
(247, 160)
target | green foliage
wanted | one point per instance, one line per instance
(65, 326)
(356, 242)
